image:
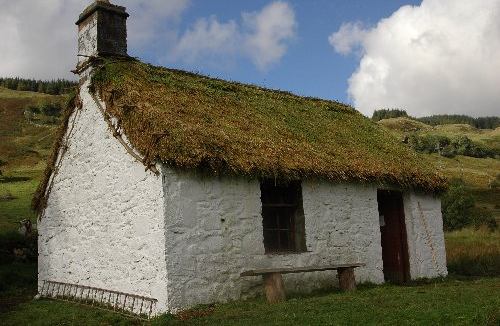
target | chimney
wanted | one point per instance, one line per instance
(102, 30)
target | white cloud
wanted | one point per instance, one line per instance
(262, 36)
(153, 21)
(269, 32)
(39, 37)
(207, 37)
(349, 37)
(439, 57)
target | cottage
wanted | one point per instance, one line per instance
(169, 185)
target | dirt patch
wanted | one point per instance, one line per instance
(195, 313)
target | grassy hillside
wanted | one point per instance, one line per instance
(25, 142)
(478, 173)
(403, 125)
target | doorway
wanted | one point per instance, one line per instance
(393, 236)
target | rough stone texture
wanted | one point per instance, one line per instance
(112, 33)
(103, 225)
(214, 232)
(87, 38)
(104, 31)
(424, 228)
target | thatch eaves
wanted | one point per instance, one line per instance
(195, 122)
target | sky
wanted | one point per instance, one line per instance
(427, 57)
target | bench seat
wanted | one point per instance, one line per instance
(273, 281)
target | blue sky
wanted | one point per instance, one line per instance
(427, 56)
(310, 66)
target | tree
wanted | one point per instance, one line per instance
(443, 119)
(388, 113)
(51, 109)
(459, 209)
(457, 206)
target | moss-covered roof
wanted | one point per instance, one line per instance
(191, 121)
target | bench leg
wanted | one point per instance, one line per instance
(274, 288)
(346, 279)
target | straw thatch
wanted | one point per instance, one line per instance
(192, 121)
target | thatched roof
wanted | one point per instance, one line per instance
(195, 122)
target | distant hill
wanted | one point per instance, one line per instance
(52, 87)
(445, 119)
(491, 122)
(481, 174)
(489, 138)
(25, 139)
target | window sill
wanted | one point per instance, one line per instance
(284, 253)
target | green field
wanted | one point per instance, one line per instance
(471, 295)
(441, 302)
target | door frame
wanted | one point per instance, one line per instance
(404, 268)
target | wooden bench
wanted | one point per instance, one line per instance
(273, 282)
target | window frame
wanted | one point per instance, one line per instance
(282, 202)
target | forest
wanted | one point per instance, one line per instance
(440, 119)
(53, 87)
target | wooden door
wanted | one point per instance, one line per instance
(393, 236)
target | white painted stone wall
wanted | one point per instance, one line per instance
(104, 224)
(214, 232)
(424, 228)
(87, 38)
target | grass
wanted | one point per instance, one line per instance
(489, 137)
(23, 143)
(18, 208)
(476, 172)
(439, 302)
(472, 252)
(17, 284)
(9, 93)
(47, 312)
(25, 147)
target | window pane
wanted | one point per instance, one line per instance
(284, 219)
(283, 216)
(270, 216)
(285, 241)
(271, 241)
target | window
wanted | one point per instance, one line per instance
(282, 216)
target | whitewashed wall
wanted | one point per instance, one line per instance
(87, 38)
(104, 225)
(424, 228)
(214, 232)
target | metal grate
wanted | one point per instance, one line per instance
(119, 302)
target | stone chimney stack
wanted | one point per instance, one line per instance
(102, 30)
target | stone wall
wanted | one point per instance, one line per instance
(424, 228)
(102, 29)
(87, 38)
(104, 225)
(214, 232)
